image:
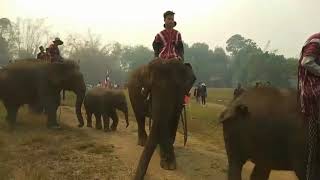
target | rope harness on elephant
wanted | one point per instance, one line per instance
(184, 124)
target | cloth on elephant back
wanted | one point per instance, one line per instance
(308, 83)
(168, 44)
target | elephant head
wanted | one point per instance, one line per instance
(168, 82)
(67, 76)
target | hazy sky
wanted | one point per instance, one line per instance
(286, 23)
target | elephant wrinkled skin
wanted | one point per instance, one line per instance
(168, 83)
(39, 84)
(104, 102)
(264, 125)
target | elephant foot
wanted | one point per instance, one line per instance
(12, 127)
(99, 127)
(80, 125)
(113, 128)
(142, 141)
(168, 165)
(54, 127)
(107, 130)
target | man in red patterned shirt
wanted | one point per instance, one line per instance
(54, 51)
(309, 98)
(168, 43)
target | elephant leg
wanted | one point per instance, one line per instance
(98, 120)
(168, 159)
(52, 104)
(235, 168)
(115, 119)
(301, 174)
(89, 119)
(142, 134)
(299, 164)
(106, 122)
(174, 127)
(11, 118)
(260, 173)
(147, 152)
(166, 140)
(36, 108)
(167, 156)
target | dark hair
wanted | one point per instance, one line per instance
(168, 13)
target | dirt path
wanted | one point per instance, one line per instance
(197, 160)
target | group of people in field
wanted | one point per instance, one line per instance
(200, 93)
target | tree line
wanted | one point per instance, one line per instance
(242, 61)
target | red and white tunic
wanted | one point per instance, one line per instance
(308, 82)
(170, 42)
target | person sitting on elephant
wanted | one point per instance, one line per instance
(54, 51)
(309, 93)
(41, 55)
(168, 43)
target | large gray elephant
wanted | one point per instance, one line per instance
(264, 125)
(39, 84)
(104, 102)
(167, 82)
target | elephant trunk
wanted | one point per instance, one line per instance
(126, 116)
(80, 97)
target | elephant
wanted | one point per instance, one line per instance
(265, 125)
(39, 84)
(167, 82)
(102, 101)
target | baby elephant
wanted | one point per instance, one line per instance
(104, 102)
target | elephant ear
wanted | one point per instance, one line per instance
(61, 71)
(238, 111)
(145, 77)
(184, 77)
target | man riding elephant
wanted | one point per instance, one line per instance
(41, 55)
(309, 93)
(54, 52)
(168, 43)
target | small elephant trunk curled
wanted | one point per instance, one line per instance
(80, 97)
(126, 118)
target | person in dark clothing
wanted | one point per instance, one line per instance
(41, 55)
(203, 93)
